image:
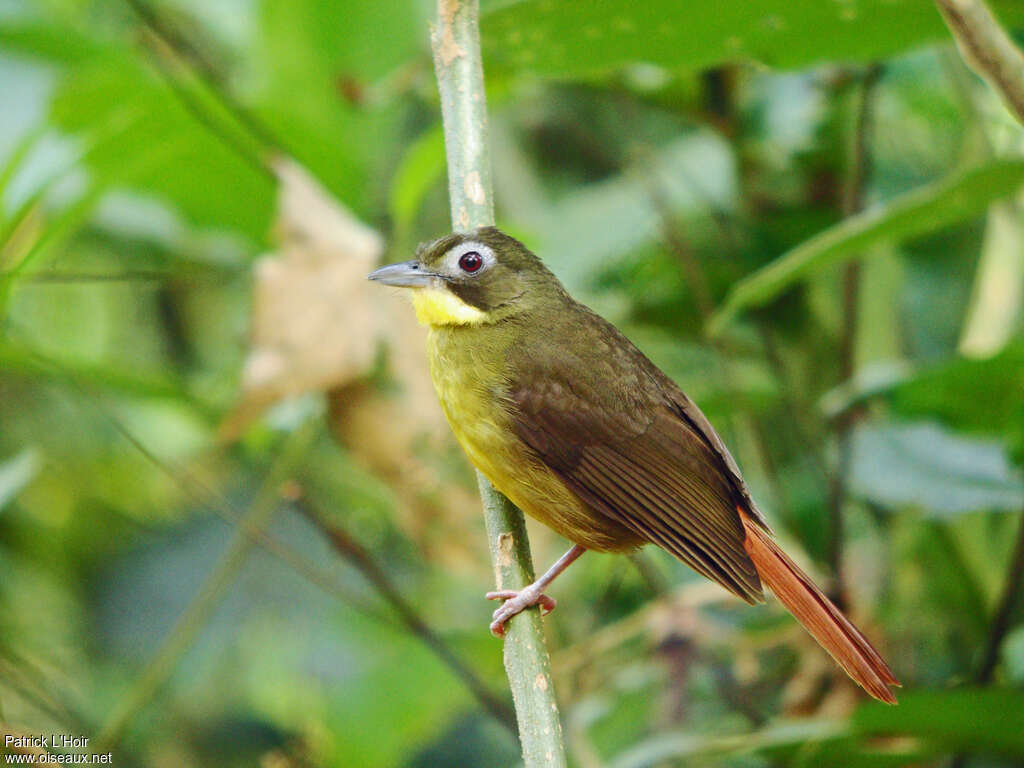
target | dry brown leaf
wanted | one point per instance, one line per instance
(313, 324)
(317, 324)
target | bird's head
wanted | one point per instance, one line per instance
(471, 278)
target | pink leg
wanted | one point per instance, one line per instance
(518, 600)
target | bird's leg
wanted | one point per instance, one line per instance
(518, 600)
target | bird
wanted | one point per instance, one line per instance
(579, 429)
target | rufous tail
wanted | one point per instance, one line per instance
(816, 612)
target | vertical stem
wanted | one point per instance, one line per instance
(1000, 623)
(460, 80)
(1004, 611)
(852, 202)
(457, 62)
(526, 655)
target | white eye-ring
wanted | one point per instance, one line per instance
(469, 258)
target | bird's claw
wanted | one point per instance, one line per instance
(517, 601)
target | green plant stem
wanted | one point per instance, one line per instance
(987, 49)
(455, 41)
(206, 600)
(1003, 616)
(1001, 622)
(852, 203)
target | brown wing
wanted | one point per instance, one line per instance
(630, 444)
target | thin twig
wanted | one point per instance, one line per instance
(1012, 589)
(204, 69)
(987, 49)
(126, 276)
(206, 600)
(192, 487)
(697, 280)
(1004, 611)
(354, 553)
(852, 202)
(257, 160)
(455, 40)
(30, 682)
(807, 434)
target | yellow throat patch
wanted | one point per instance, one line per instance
(437, 306)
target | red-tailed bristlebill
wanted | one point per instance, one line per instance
(580, 430)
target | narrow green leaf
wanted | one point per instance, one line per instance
(970, 720)
(15, 359)
(13, 162)
(585, 39)
(957, 198)
(694, 746)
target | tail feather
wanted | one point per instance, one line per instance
(820, 617)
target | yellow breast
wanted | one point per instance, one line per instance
(471, 390)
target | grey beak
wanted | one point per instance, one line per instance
(405, 274)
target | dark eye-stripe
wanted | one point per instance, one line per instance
(470, 261)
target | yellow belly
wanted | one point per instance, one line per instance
(479, 418)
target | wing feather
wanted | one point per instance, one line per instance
(636, 450)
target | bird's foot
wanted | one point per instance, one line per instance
(517, 601)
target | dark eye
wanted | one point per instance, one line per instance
(471, 261)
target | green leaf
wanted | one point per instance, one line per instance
(422, 166)
(926, 466)
(50, 41)
(15, 359)
(981, 396)
(16, 473)
(870, 380)
(307, 56)
(140, 135)
(14, 161)
(585, 39)
(677, 746)
(987, 721)
(952, 200)
(605, 220)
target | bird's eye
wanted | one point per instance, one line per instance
(471, 261)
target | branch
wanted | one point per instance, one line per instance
(987, 49)
(347, 547)
(208, 597)
(353, 552)
(457, 62)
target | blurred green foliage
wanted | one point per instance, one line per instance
(682, 166)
